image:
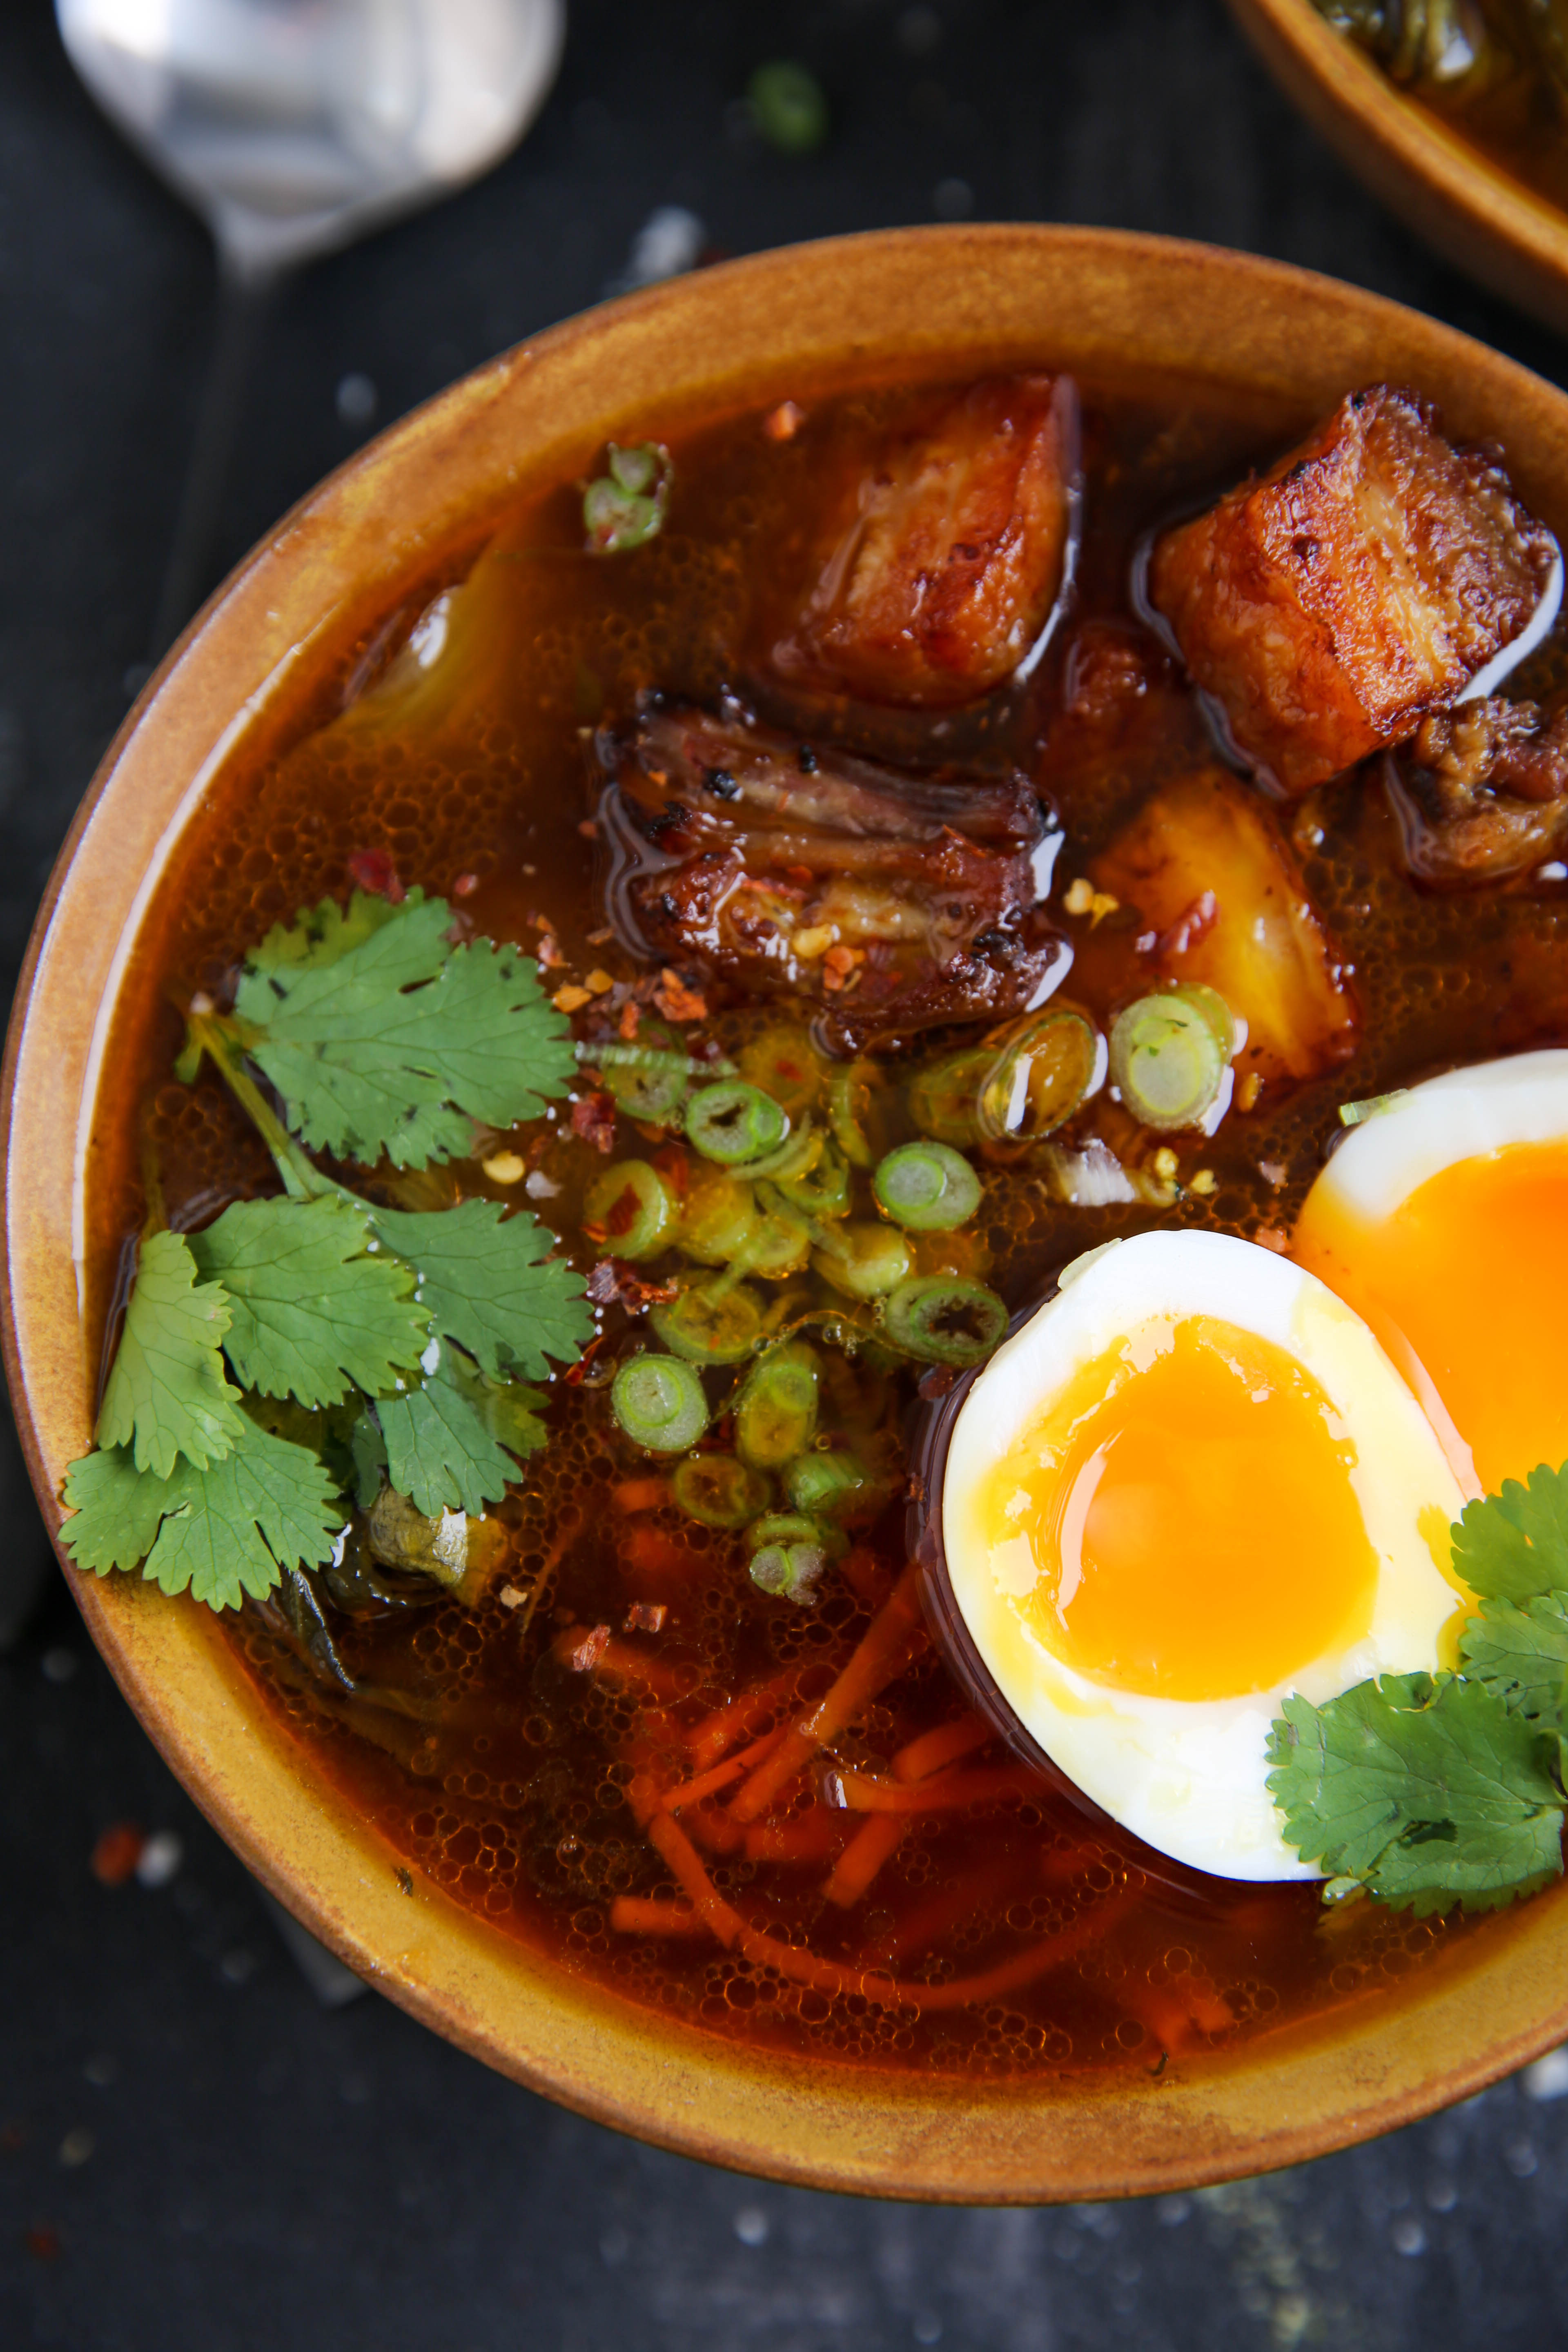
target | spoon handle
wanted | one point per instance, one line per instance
(244, 300)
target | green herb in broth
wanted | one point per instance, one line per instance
(317, 1297)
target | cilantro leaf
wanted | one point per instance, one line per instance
(488, 1285)
(310, 1315)
(395, 1043)
(118, 1508)
(1514, 1545)
(1522, 1655)
(444, 1441)
(167, 1394)
(1427, 1789)
(321, 935)
(367, 1449)
(223, 1531)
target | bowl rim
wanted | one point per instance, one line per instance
(952, 300)
(1442, 185)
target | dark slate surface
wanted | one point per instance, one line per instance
(195, 2156)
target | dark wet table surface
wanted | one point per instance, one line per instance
(196, 2154)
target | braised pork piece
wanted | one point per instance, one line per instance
(667, 1710)
(1364, 580)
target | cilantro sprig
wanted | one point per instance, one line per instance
(303, 1349)
(1431, 1789)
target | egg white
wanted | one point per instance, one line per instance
(1463, 1115)
(1189, 1776)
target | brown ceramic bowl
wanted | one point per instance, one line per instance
(929, 302)
(1441, 184)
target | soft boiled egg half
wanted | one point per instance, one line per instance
(1192, 1484)
(1444, 1220)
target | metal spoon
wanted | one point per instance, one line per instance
(293, 127)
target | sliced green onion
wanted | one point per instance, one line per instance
(786, 1065)
(624, 508)
(943, 1100)
(718, 1491)
(718, 1217)
(648, 1081)
(733, 1122)
(929, 1187)
(943, 1319)
(775, 1413)
(659, 1403)
(796, 1527)
(789, 1571)
(713, 1321)
(779, 1246)
(794, 1156)
(864, 1261)
(1169, 1056)
(848, 1109)
(823, 1192)
(1356, 1114)
(830, 1481)
(630, 1210)
(1051, 1062)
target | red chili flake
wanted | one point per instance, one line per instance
(465, 886)
(42, 2242)
(373, 870)
(117, 1853)
(548, 952)
(645, 1616)
(574, 1374)
(782, 422)
(1194, 923)
(934, 1383)
(676, 1000)
(594, 1120)
(589, 828)
(614, 1283)
(631, 1019)
(582, 1656)
(916, 1488)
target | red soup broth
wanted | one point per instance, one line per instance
(503, 1751)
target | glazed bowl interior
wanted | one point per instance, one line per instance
(1444, 186)
(941, 302)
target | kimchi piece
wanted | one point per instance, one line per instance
(947, 559)
(894, 904)
(1481, 793)
(1368, 578)
(1219, 899)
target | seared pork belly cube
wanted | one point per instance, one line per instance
(894, 905)
(1481, 793)
(1219, 899)
(1363, 582)
(945, 569)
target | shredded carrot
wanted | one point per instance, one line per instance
(707, 1784)
(953, 1906)
(717, 1733)
(653, 1915)
(868, 1578)
(710, 1826)
(943, 1793)
(813, 1838)
(600, 1652)
(933, 1749)
(649, 1550)
(835, 1978)
(640, 1494)
(885, 1647)
(873, 1844)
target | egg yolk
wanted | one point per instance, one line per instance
(1181, 1522)
(1470, 1273)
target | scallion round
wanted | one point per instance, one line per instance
(716, 1320)
(734, 1123)
(658, 1402)
(944, 1319)
(718, 1491)
(1042, 1069)
(929, 1187)
(629, 1210)
(1169, 1056)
